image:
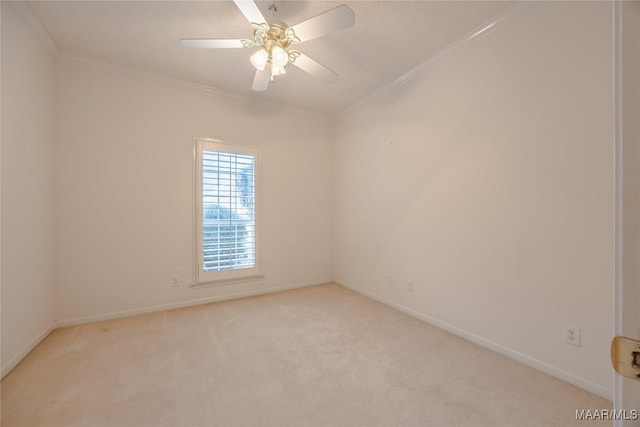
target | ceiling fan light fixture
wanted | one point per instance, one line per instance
(279, 56)
(260, 59)
(275, 39)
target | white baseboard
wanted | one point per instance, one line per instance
(512, 354)
(188, 303)
(29, 347)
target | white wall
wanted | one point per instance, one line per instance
(124, 187)
(27, 190)
(488, 180)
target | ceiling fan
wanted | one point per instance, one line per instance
(275, 40)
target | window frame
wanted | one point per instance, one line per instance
(211, 278)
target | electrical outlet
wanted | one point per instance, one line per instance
(176, 282)
(412, 286)
(389, 281)
(572, 335)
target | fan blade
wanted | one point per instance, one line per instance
(216, 43)
(313, 68)
(250, 11)
(261, 79)
(332, 20)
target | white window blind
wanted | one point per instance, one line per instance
(227, 212)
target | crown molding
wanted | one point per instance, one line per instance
(478, 32)
(26, 15)
(185, 84)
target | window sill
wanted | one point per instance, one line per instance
(227, 281)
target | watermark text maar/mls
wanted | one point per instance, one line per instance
(606, 414)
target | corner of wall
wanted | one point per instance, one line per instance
(27, 169)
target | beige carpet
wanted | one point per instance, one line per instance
(318, 356)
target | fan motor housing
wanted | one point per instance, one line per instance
(274, 36)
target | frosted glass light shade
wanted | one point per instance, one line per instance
(279, 56)
(259, 59)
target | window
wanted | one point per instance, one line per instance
(226, 212)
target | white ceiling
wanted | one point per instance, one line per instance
(389, 39)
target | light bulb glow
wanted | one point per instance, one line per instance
(279, 56)
(259, 59)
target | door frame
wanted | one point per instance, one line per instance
(627, 191)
